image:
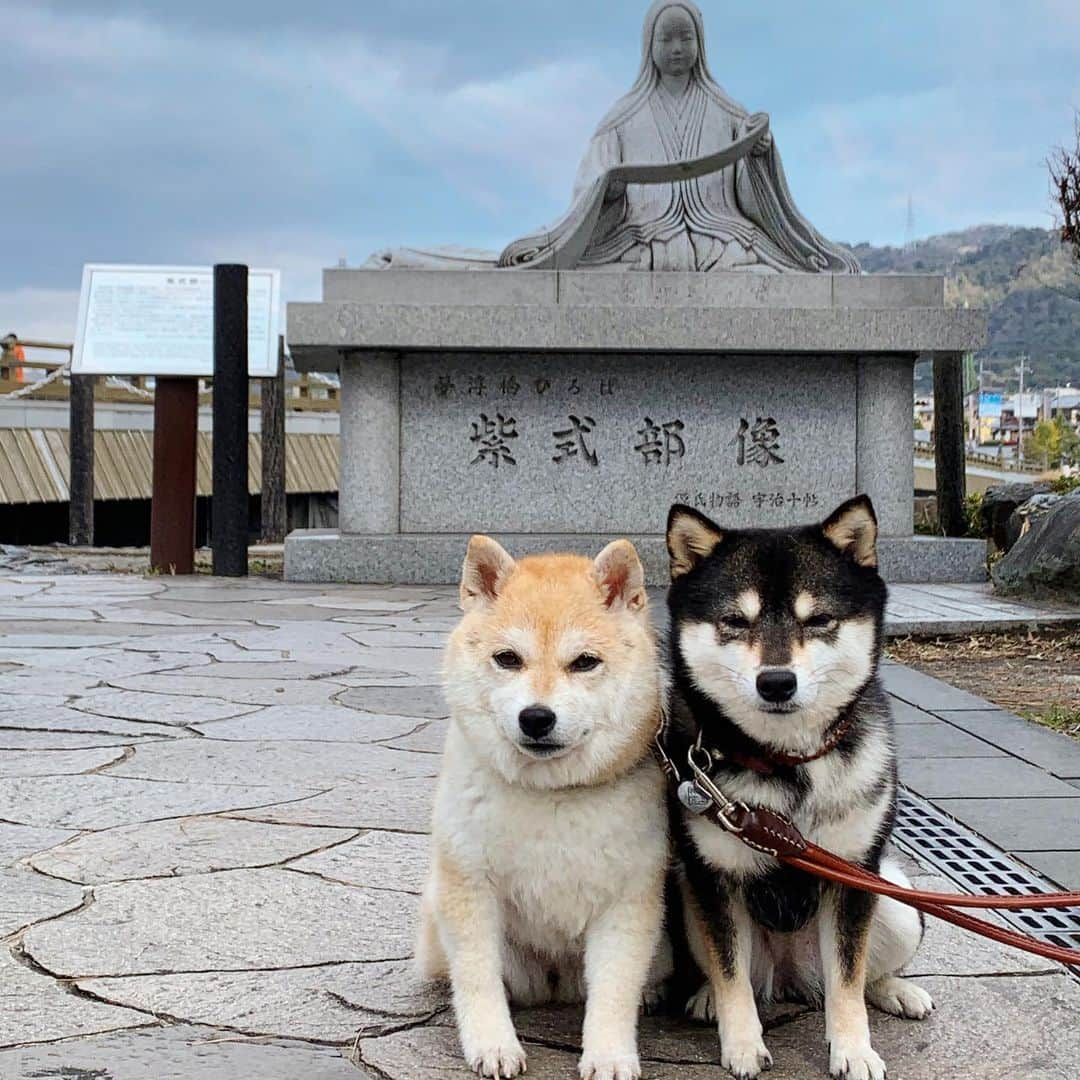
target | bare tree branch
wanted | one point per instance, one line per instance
(1064, 166)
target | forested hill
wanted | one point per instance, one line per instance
(1022, 276)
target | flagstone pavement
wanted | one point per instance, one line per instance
(213, 804)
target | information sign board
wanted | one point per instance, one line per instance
(159, 320)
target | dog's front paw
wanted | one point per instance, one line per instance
(745, 1057)
(855, 1061)
(499, 1061)
(899, 997)
(700, 1006)
(605, 1066)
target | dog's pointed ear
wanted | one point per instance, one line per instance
(621, 577)
(691, 537)
(853, 529)
(487, 566)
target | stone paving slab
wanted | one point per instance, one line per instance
(981, 777)
(100, 802)
(36, 1009)
(1025, 824)
(177, 1053)
(1060, 866)
(965, 608)
(1057, 754)
(190, 845)
(936, 739)
(329, 1003)
(218, 795)
(235, 920)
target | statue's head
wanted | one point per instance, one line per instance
(675, 45)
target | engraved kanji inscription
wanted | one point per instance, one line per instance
(572, 441)
(758, 443)
(489, 438)
(660, 443)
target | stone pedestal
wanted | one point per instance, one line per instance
(560, 409)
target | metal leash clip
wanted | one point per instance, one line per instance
(699, 794)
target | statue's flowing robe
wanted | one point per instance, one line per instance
(741, 217)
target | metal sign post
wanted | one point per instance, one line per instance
(160, 321)
(229, 520)
(81, 475)
(273, 453)
(172, 504)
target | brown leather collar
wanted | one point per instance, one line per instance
(768, 761)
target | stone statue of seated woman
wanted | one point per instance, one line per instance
(678, 176)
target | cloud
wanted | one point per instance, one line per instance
(162, 132)
(40, 314)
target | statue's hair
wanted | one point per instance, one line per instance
(649, 76)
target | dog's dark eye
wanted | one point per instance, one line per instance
(819, 622)
(508, 660)
(735, 622)
(585, 662)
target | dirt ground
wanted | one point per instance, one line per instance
(1035, 674)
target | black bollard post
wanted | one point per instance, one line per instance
(273, 453)
(949, 464)
(229, 520)
(81, 478)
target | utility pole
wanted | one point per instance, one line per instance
(1020, 413)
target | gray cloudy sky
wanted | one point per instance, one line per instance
(285, 134)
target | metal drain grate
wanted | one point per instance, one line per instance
(978, 867)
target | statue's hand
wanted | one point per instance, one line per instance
(764, 144)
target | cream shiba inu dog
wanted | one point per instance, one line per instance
(550, 842)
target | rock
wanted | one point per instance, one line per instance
(326, 1004)
(1045, 561)
(176, 1053)
(1036, 507)
(240, 920)
(998, 505)
(194, 845)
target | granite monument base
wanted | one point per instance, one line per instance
(319, 555)
(555, 409)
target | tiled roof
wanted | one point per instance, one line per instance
(35, 464)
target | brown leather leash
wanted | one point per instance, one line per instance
(774, 834)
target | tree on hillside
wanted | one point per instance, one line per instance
(1053, 442)
(1065, 186)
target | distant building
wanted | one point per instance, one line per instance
(1061, 401)
(924, 414)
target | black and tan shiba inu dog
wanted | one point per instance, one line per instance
(775, 641)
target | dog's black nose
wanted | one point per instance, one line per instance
(536, 721)
(777, 686)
